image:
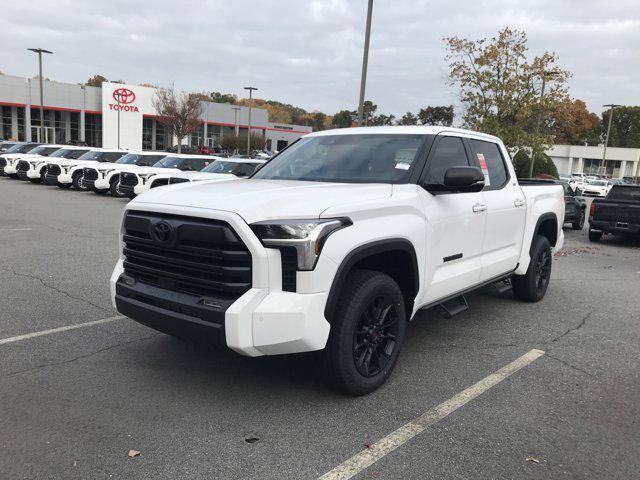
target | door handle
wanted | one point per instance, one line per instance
(519, 202)
(479, 207)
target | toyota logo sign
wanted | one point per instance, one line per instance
(124, 96)
(163, 231)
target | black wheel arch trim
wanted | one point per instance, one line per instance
(362, 252)
(544, 217)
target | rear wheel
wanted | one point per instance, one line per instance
(366, 333)
(595, 235)
(579, 223)
(532, 286)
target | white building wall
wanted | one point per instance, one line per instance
(571, 158)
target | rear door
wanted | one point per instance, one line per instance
(506, 210)
(455, 224)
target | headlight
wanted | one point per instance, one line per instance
(306, 236)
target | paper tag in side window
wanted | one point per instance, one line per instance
(484, 168)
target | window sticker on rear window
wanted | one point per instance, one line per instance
(484, 168)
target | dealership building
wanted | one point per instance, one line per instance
(119, 116)
(619, 162)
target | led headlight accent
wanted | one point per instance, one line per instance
(307, 236)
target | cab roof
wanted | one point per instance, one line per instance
(403, 130)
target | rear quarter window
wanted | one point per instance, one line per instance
(488, 158)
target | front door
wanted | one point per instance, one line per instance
(506, 211)
(455, 225)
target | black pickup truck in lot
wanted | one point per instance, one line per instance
(618, 213)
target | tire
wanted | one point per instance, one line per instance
(532, 286)
(43, 172)
(64, 185)
(367, 333)
(77, 182)
(595, 235)
(101, 191)
(579, 223)
(113, 189)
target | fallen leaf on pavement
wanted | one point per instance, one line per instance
(133, 453)
(368, 445)
(531, 460)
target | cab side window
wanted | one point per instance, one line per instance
(449, 152)
(489, 159)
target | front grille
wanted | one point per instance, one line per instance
(198, 256)
(89, 174)
(53, 169)
(3, 162)
(173, 180)
(128, 178)
(23, 166)
(289, 260)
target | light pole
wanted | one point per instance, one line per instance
(251, 89)
(40, 51)
(611, 106)
(365, 61)
(235, 119)
(545, 75)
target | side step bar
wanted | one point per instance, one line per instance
(453, 306)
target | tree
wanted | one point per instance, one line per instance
(383, 119)
(572, 123)
(343, 119)
(625, 127)
(368, 111)
(179, 113)
(96, 81)
(408, 119)
(441, 115)
(501, 88)
(543, 165)
(218, 97)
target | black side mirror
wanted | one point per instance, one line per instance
(459, 179)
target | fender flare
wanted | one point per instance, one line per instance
(362, 252)
(542, 218)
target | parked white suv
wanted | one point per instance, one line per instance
(104, 177)
(70, 171)
(336, 243)
(55, 167)
(136, 181)
(225, 168)
(10, 158)
(33, 165)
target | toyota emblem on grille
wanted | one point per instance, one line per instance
(163, 232)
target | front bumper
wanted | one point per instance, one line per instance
(33, 173)
(263, 321)
(140, 188)
(11, 169)
(65, 178)
(100, 184)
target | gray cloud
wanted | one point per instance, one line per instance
(309, 53)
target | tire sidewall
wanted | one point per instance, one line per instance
(344, 326)
(540, 246)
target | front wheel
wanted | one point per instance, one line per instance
(114, 183)
(78, 182)
(366, 333)
(532, 286)
(579, 223)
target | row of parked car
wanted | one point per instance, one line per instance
(593, 185)
(116, 172)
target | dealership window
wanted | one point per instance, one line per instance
(214, 132)
(74, 126)
(147, 133)
(161, 137)
(59, 127)
(6, 123)
(21, 130)
(93, 129)
(196, 138)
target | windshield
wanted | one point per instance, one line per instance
(43, 150)
(60, 153)
(91, 155)
(6, 145)
(221, 166)
(372, 158)
(68, 153)
(21, 148)
(598, 183)
(138, 159)
(169, 162)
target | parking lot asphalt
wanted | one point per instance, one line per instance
(73, 403)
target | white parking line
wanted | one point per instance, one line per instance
(66, 328)
(386, 445)
(15, 229)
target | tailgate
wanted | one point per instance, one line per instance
(619, 211)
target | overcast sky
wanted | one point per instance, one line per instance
(309, 53)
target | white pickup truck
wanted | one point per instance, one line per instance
(105, 177)
(9, 159)
(336, 244)
(69, 172)
(224, 168)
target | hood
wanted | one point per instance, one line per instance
(66, 162)
(256, 200)
(20, 156)
(102, 166)
(195, 176)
